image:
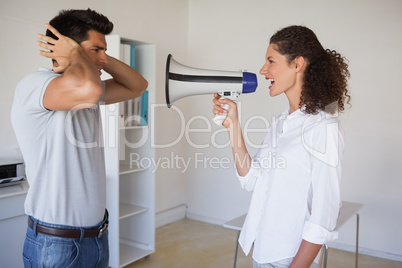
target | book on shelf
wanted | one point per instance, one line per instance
(133, 112)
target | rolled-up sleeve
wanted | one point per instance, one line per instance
(326, 157)
(317, 234)
(248, 181)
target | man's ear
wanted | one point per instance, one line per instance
(54, 63)
(299, 63)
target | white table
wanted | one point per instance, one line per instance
(347, 211)
(236, 224)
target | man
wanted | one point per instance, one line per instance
(56, 119)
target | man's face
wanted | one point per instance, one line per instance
(95, 48)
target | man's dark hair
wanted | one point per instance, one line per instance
(75, 24)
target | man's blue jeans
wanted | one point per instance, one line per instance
(47, 251)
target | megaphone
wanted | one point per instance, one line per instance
(182, 81)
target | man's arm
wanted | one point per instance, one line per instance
(80, 85)
(126, 84)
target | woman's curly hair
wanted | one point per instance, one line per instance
(326, 74)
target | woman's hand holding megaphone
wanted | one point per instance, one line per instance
(232, 124)
(231, 112)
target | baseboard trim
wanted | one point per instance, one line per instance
(196, 217)
(366, 251)
(170, 215)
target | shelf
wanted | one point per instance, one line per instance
(128, 254)
(133, 127)
(13, 190)
(127, 210)
(126, 169)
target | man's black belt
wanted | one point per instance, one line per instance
(66, 233)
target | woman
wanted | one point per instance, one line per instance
(294, 207)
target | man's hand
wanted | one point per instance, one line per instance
(79, 86)
(58, 50)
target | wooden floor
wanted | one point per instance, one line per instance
(194, 244)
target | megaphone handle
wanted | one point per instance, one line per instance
(219, 118)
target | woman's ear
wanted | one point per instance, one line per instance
(299, 63)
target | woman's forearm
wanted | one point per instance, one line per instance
(305, 255)
(241, 156)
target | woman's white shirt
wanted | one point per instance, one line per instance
(295, 179)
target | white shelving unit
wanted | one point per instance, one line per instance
(130, 187)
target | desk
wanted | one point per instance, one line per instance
(347, 211)
(236, 224)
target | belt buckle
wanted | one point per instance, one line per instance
(103, 230)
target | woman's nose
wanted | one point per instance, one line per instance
(263, 70)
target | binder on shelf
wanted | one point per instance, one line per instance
(132, 56)
(126, 108)
(144, 110)
(133, 112)
(132, 104)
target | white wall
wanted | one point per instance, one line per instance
(163, 23)
(232, 35)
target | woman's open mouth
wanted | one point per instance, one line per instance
(272, 81)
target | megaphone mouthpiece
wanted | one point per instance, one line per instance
(249, 82)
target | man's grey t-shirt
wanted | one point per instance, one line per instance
(63, 154)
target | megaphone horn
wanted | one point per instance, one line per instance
(182, 81)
